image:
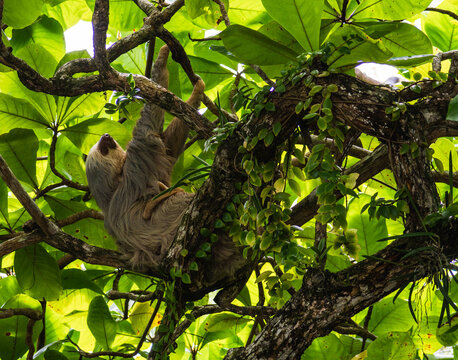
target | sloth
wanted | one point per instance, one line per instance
(125, 183)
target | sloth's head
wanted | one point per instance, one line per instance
(104, 165)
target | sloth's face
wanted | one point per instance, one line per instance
(106, 155)
(104, 165)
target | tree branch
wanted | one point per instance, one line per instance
(38, 216)
(443, 11)
(332, 298)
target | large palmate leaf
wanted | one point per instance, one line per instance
(85, 134)
(350, 45)
(390, 9)
(251, 47)
(19, 149)
(334, 349)
(38, 58)
(100, 322)
(131, 19)
(17, 113)
(74, 107)
(247, 12)
(21, 13)
(392, 346)
(37, 273)
(68, 12)
(369, 230)
(302, 18)
(43, 103)
(47, 32)
(13, 330)
(387, 315)
(400, 38)
(441, 29)
(278, 33)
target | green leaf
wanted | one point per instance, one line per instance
(207, 9)
(78, 279)
(452, 113)
(224, 321)
(85, 134)
(54, 355)
(392, 346)
(43, 103)
(8, 288)
(369, 231)
(447, 334)
(263, 276)
(131, 19)
(21, 13)
(19, 149)
(18, 113)
(390, 9)
(100, 323)
(301, 18)
(387, 315)
(252, 47)
(186, 279)
(410, 60)
(359, 45)
(325, 348)
(266, 241)
(70, 108)
(47, 32)
(401, 39)
(38, 58)
(278, 33)
(13, 330)
(37, 273)
(68, 13)
(276, 128)
(294, 185)
(441, 29)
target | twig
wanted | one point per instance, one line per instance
(262, 74)
(90, 213)
(20, 241)
(146, 6)
(38, 216)
(443, 11)
(31, 314)
(120, 354)
(353, 328)
(222, 8)
(52, 165)
(439, 57)
(148, 296)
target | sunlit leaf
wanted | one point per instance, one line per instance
(390, 9)
(302, 18)
(47, 32)
(37, 273)
(20, 19)
(100, 322)
(19, 149)
(254, 48)
(392, 346)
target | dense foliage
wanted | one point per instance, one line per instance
(340, 193)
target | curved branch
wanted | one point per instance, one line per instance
(443, 11)
(331, 298)
(38, 216)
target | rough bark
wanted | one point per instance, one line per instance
(326, 299)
